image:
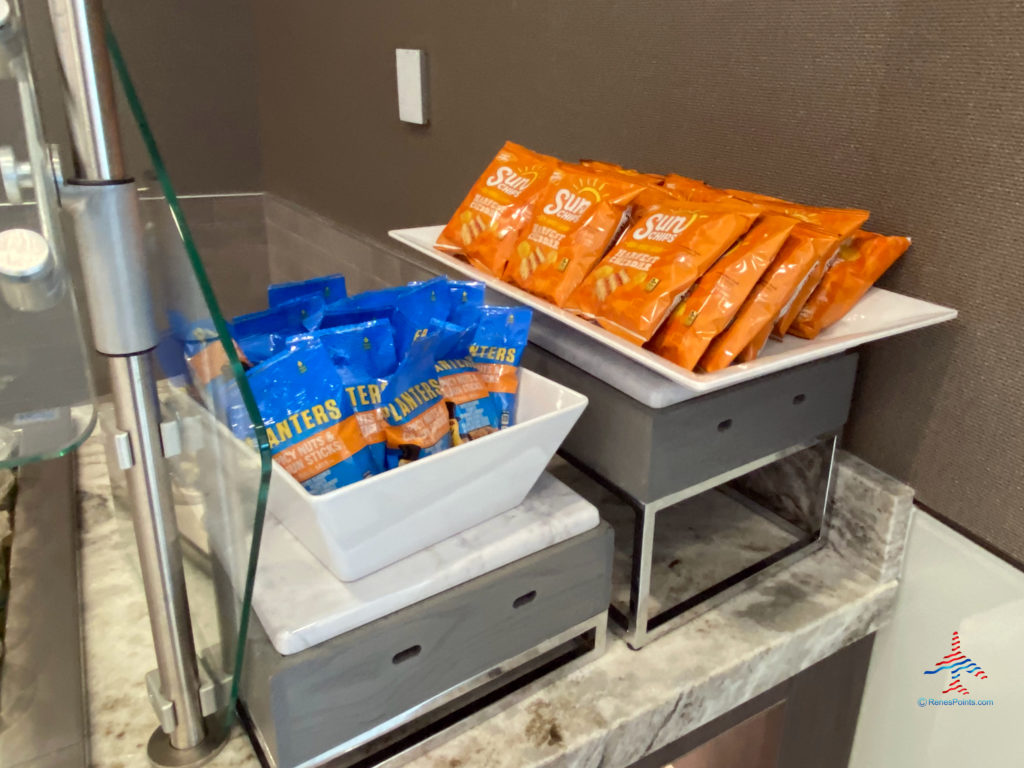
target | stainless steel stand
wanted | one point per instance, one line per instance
(769, 444)
(640, 625)
(105, 207)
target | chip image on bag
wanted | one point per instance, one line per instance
(860, 263)
(655, 262)
(746, 335)
(576, 218)
(312, 431)
(497, 207)
(415, 416)
(497, 349)
(720, 293)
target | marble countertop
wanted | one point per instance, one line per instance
(609, 713)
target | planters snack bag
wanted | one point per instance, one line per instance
(498, 344)
(497, 207)
(330, 288)
(415, 416)
(639, 282)
(410, 308)
(859, 265)
(472, 410)
(312, 429)
(261, 335)
(465, 299)
(575, 219)
(362, 354)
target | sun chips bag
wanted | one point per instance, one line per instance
(497, 208)
(718, 295)
(575, 218)
(638, 283)
(859, 265)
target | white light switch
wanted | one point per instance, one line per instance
(411, 65)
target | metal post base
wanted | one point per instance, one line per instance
(162, 754)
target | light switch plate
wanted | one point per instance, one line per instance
(411, 67)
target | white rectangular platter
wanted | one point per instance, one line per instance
(878, 315)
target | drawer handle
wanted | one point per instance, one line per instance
(522, 600)
(797, 399)
(724, 425)
(408, 653)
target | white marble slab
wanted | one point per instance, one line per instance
(300, 603)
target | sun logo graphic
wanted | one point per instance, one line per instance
(958, 664)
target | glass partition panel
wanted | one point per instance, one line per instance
(44, 361)
(219, 458)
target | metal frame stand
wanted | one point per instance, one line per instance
(639, 627)
(104, 203)
(768, 443)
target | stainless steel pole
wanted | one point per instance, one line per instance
(109, 232)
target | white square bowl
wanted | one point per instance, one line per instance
(365, 526)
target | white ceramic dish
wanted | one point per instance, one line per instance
(879, 314)
(365, 526)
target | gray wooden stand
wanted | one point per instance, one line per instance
(769, 443)
(388, 691)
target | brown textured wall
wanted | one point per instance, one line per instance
(194, 65)
(912, 108)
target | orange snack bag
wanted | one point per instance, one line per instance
(650, 178)
(718, 295)
(691, 189)
(770, 298)
(860, 264)
(840, 221)
(636, 285)
(812, 281)
(573, 223)
(498, 205)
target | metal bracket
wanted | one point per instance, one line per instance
(170, 438)
(181, 435)
(213, 695)
(122, 445)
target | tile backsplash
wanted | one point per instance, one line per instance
(303, 245)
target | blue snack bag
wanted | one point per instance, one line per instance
(312, 430)
(412, 308)
(261, 335)
(466, 298)
(229, 407)
(362, 354)
(330, 288)
(415, 415)
(472, 410)
(497, 348)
